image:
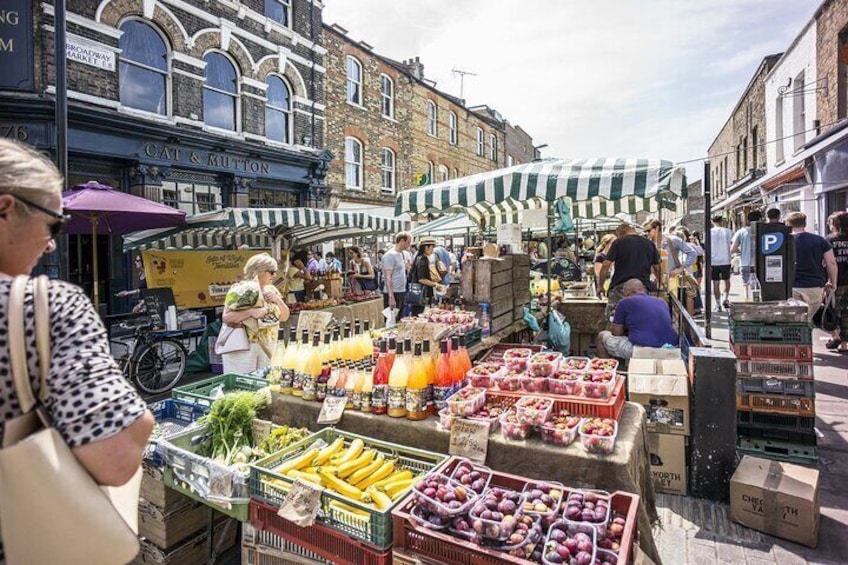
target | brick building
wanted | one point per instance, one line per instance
(389, 128)
(192, 103)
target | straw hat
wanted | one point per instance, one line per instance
(427, 240)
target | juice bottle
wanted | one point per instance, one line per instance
(429, 363)
(380, 380)
(337, 351)
(456, 365)
(347, 352)
(367, 390)
(397, 384)
(416, 387)
(465, 360)
(341, 382)
(356, 390)
(288, 363)
(300, 361)
(312, 369)
(390, 360)
(355, 347)
(321, 385)
(444, 380)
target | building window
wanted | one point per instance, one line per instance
(191, 197)
(431, 172)
(799, 113)
(143, 68)
(744, 156)
(169, 198)
(278, 110)
(453, 136)
(220, 92)
(778, 129)
(444, 175)
(754, 141)
(738, 161)
(509, 161)
(493, 147)
(263, 198)
(432, 118)
(354, 81)
(353, 163)
(480, 145)
(456, 173)
(387, 170)
(387, 96)
(278, 11)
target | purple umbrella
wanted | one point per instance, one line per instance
(98, 209)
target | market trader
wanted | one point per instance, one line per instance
(634, 257)
(639, 319)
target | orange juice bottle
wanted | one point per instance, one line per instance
(300, 362)
(326, 369)
(398, 378)
(443, 385)
(390, 359)
(350, 387)
(429, 362)
(312, 369)
(367, 390)
(465, 360)
(416, 387)
(456, 365)
(379, 392)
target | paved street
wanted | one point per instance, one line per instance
(700, 533)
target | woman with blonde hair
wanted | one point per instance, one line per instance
(253, 311)
(601, 254)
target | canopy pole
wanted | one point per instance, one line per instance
(548, 265)
(96, 271)
(708, 246)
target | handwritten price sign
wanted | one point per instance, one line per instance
(469, 439)
(332, 410)
(301, 504)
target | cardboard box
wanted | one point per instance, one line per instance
(776, 498)
(662, 387)
(640, 352)
(668, 463)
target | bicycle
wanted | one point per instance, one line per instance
(152, 361)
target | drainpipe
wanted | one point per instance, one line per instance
(312, 70)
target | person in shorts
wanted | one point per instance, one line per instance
(743, 243)
(720, 257)
(634, 257)
(640, 319)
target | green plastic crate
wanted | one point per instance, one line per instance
(201, 391)
(756, 332)
(376, 530)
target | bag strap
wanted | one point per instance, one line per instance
(17, 339)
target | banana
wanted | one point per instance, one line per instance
(327, 452)
(341, 487)
(365, 472)
(298, 462)
(396, 476)
(380, 473)
(313, 470)
(353, 451)
(397, 488)
(380, 499)
(309, 477)
(347, 469)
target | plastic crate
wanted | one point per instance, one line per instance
(775, 421)
(172, 417)
(317, 539)
(767, 312)
(259, 547)
(586, 407)
(780, 404)
(201, 392)
(377, 528)
(779, 450)
(774, 368)
(748, 351)
(804, 437)
(495, 354)
(758, 332)
(776, 385)
(411, 540)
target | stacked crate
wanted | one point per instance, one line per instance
(775, 389)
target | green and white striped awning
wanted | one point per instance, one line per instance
(258, 228)
(596, 187)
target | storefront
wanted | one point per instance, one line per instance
(829, 170)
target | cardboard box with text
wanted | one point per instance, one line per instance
(662, 387)
(668, 463)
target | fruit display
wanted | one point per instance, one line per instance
(575, 363)
(446, 418)
(598, 384)
(465, 320)
(512, 428)
(588, 507)
(533, 410)
(614, 534)
(525, 541)
(313, 305)
(605, 557)
(482, 375)
(354, 297)
(429, 519)
(561, 428)
(516, 359)
(542, 499)
(597, 435)
(491, 413)
(599, 364)
(509, 380)
(567, 544)
(544, 364)
(495, 514)
(443, 496)
(476, 477)
(467, 401)
(533, 384)
(566, 381)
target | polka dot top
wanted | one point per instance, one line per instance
(89, 397)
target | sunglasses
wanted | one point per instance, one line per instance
(272, 272)
(55, 227)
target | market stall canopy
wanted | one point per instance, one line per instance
(460, 224)
(595, 187)
(260, 228)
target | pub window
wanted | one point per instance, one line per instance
(353, 163)
(278, 11)
(278, 110)
(192, 197)
(143, 68)
(169, 198)
(264, 198)
(220, 92)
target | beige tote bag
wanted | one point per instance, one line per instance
(51, 510)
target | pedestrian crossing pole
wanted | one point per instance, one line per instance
(708, 294)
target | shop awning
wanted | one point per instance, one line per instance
(260, 227)
(596, 187)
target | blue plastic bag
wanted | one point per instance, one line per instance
(559, 333)
(531, 320)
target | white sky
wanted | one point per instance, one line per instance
(612, 78)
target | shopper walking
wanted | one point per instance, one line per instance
(90, 403)
(422, 273)
(601, 255)
(815, 264)
(720, 258)
(838, 238)
(773, 216)
(634, 257)
(394, 273)
(360, 271)
(298, 275)
(743, 243)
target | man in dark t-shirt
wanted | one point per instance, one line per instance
(815, 264)
(639, 320)
(635, 257)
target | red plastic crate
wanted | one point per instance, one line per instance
(586, 407)
(771, 368)
(773, 403)
(320, 540)
(778, 352)
(412, 539)
(495, 354)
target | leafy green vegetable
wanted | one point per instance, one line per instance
(230, 423)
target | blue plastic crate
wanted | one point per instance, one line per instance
(172, 417)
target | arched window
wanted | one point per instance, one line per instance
(387, 96)
(480, 143)
(143, 68)
(432, 118)
(278, 110)
(493, 147)
(278, 11)
(456, 173)
(387, 168)
(220, 92)
(353, 163)
(443, 173)
(453, 136)
(354, 81)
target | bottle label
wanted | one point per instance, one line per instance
(297, 383)
(397, 398)
(415, 400)
(310, 384)
(356, 400)
(365, 402)
(379, 396)
(441, 395)
(428, 395)
(286, 378)
(321, 391)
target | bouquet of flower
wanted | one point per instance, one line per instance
(247, 295)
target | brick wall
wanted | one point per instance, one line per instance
(519, 145)
(831, 22)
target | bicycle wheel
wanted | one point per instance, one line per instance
(158, 366)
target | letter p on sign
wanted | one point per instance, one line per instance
(771, 243)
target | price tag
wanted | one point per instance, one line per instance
(301, 504)
(469, 439)
(261, 430)
(332, 410)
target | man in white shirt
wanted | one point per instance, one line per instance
(394, 272)
(720, 242)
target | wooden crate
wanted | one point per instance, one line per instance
(501, 307)
(153, 490)
(502, 322)
(194, 551)
(167, 530)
